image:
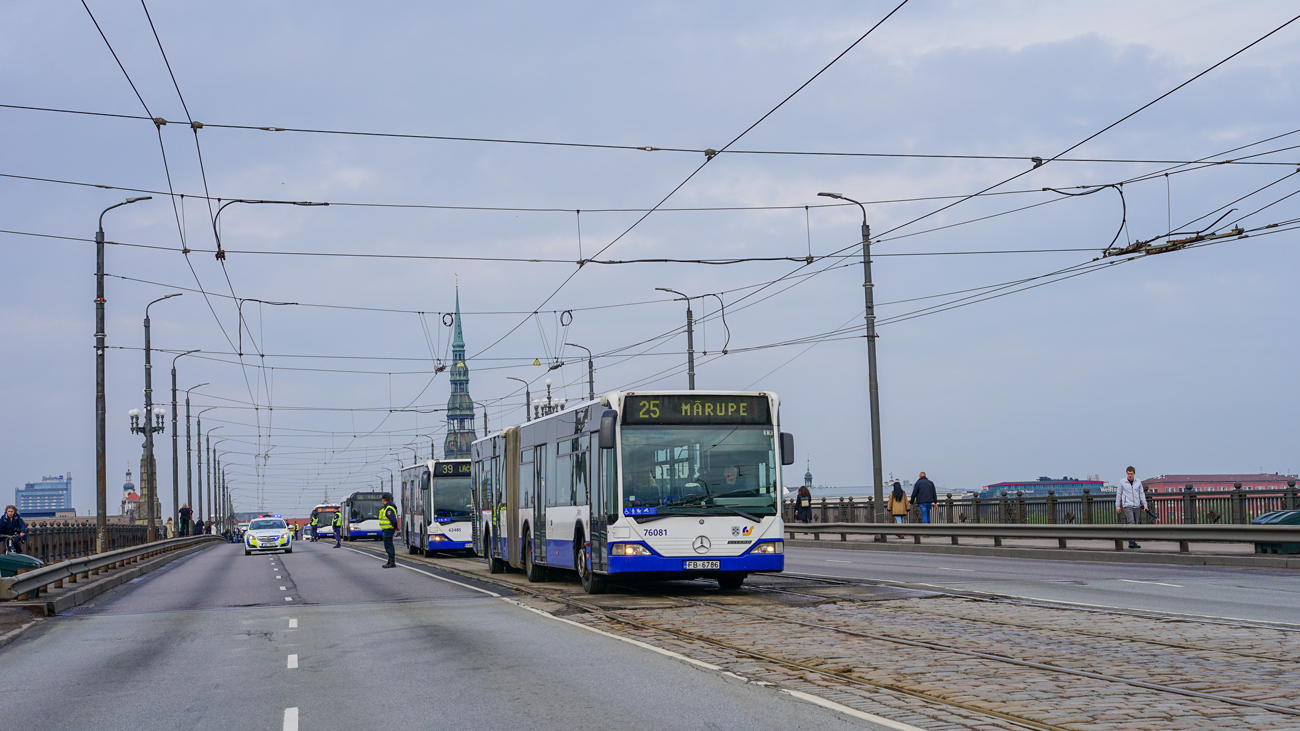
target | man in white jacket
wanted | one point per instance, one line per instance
(1130, 500)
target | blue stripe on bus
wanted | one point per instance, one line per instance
(674, 564)
(559, 553)
(450, 545)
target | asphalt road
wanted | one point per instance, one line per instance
(1267, 595)
(324, 638)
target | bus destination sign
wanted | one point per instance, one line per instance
(452, 468)
(702, 410)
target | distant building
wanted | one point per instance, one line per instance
(460, 407)
(130, 499)
(49, 495)
(1039, 487)
(1217, 483)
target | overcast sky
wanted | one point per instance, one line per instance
(1178, 363)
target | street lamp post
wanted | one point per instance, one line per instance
(591, 373)
(690, 338)
(189, 462)
(176, 467)
(101, 407)
(528, 399)
(219, 470)
(211, 471)
(873, 386)
(150, 468)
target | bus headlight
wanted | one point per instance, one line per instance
(629, 549)
(770, 547)
(439, 537)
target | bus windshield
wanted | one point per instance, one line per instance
(699, 470)
(451, 497)
(365, 507)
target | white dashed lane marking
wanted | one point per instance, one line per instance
(291, 719)
(293, 624)
(293, 661)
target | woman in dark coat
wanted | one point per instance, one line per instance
(12, 524)
(803, 505)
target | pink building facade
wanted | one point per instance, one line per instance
(1218, 483)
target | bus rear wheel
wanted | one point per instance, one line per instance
(534, 572)
(592, 583)
(495, 565)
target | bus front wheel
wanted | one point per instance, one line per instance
(592, 583)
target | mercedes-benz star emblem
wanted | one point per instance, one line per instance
(701, 544)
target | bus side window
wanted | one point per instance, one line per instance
(609, 484)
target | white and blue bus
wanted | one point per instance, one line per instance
(437, 505)
(324, 515)
(361, 515)
(638, 485)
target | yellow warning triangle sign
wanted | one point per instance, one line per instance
(537, 361)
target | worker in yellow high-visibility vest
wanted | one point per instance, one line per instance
(388, 526)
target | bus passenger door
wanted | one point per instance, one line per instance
(541, 473)
(604, 494)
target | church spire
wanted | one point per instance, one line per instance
(460, 407)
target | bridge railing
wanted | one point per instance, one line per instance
(1267, 538)
(1189, 507)
(53, 540)
(31, 583)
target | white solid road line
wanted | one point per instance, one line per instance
(293, 624)
(630, 641)
(824, 703)
(831, 560)
(291, 719)
(426, 573)
(293, 662)
(1157, 583)
(862, 715)
(950, 568)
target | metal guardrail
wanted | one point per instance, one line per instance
(13, 587)
(1183, 534)
(1188, 507)
(53, 540)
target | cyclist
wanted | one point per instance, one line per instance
(14, 529)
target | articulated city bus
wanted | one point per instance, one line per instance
(361, 515)
(436, 506)
(637, 485)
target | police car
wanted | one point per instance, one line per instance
(268, 534)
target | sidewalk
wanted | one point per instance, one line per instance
(1155, 552)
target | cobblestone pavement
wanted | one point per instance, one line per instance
(1034, 694)
(942, 689)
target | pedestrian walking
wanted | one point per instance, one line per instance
(803, 505)
(1130, 500)
(388, 526)
(924, 496)
(898, 504)
(338, 530)
(13, 528)
(187, 514)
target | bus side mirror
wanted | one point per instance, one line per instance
(608, 421)
(787, 448)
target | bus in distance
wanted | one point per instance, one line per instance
(638, 485)
(436, 505)
(361, 515)
(324, 515)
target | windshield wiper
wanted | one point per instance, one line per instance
(701, 498)
(741, 513)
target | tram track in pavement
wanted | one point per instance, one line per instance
(1060, 606)
(556, 595)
